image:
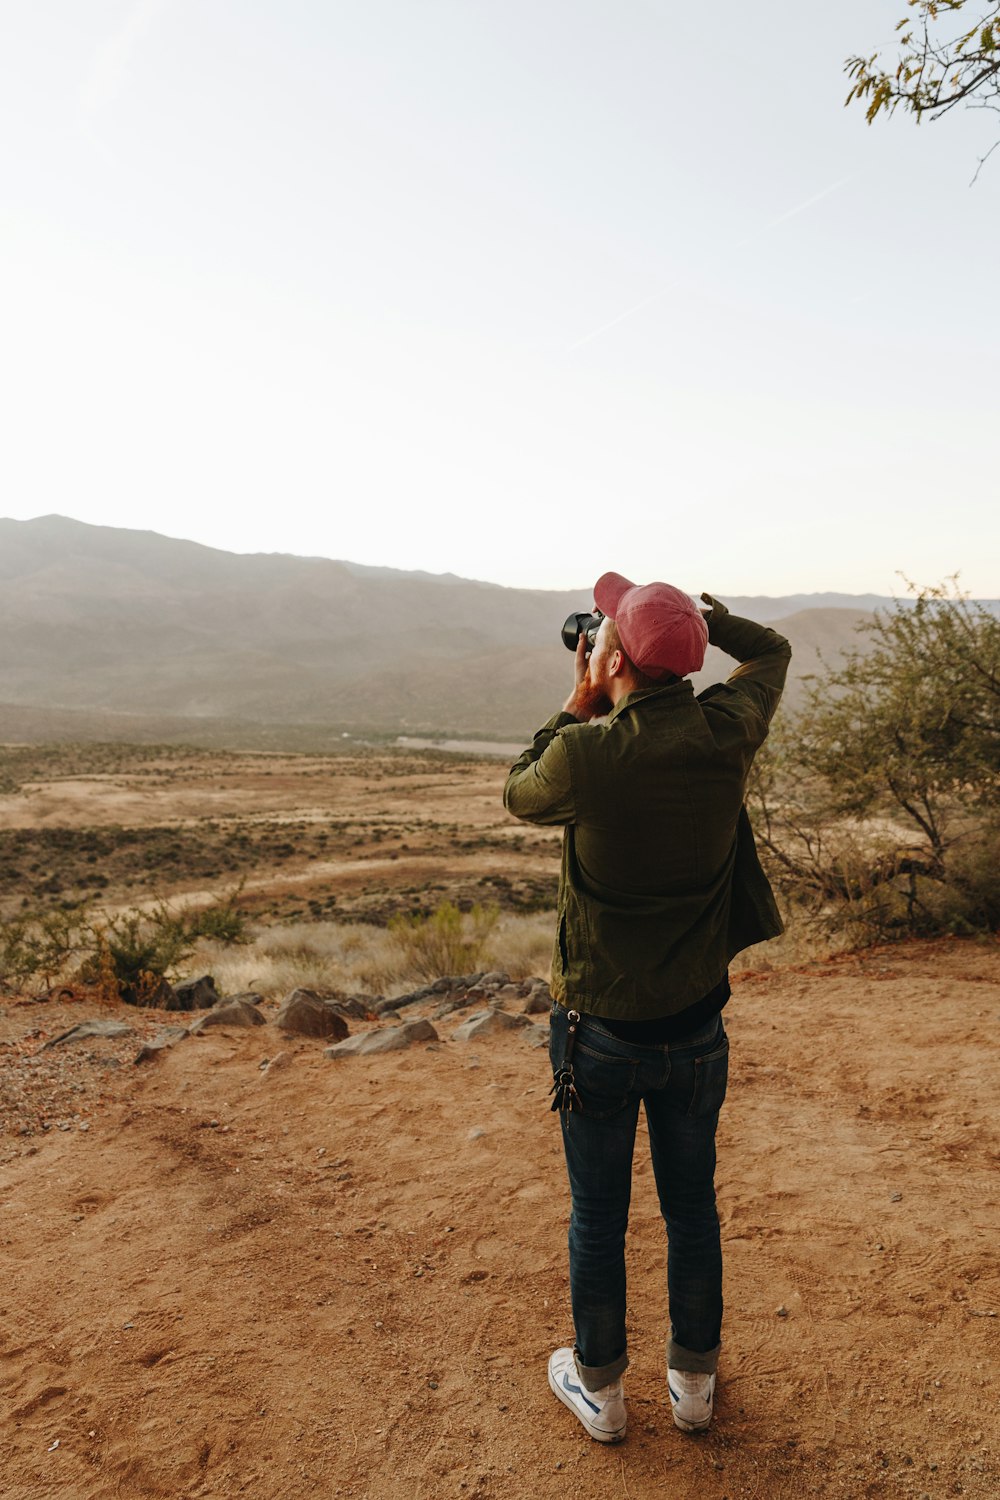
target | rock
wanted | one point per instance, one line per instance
(250, 996)
(229, 1013)
(304, 1013)
(275, 1064)
(476, 1133)
(167, 1036)
(194, 994)
(493, 980)
(539, 1002)
(89, 1028)
(386, 1039)
(508, 992)
(488, 1023)
(388, 1007)
(536, 1036)
(455, 1002)
(354, 1007)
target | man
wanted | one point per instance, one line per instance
(660, 886)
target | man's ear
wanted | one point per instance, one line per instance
(615, 663)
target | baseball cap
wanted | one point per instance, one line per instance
(661, 628)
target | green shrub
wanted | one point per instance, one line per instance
(447, 941)
(223, 921)
(137, 951)
(39, 947)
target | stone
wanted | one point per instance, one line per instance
(275, 1064)
(385, 1039)
(167, 1036)
(508, 993)
(488, 1023)
(536, 1036)
(494, 979)
(230, 1013)
(538, 1003)
(353, 1007)
(85, 1029)
(194, 994)
(250, 996)
(304, 1013)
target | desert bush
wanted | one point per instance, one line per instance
(222, 920)
(39, 947)
(447, 941)
(876, 806)
(137, 950)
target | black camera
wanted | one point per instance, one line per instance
(577, 625)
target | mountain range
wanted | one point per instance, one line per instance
(107, 632)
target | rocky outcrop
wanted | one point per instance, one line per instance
(488, 1023)
(233, 1012)
(457, 991)
(305, 1013)
(89, 1029)
(193, 994)
(388, 1039)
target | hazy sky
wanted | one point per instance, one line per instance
(519, 289)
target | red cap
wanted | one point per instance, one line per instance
(662, 629)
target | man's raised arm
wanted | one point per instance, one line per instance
(538, 787)
(763, 655)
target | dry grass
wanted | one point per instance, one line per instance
(359, 958)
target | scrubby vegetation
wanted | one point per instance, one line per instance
(876, 805)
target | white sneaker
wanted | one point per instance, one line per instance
(691, 1396)
(601, 1412)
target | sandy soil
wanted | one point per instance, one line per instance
(345, 1278)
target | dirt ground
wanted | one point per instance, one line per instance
(344, 1278)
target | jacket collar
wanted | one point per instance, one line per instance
(675, 692)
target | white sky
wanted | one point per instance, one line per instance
(519, 289)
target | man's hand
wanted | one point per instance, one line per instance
(586, 701)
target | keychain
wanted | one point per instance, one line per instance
(566, 1096)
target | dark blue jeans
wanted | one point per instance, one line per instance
(682, 1086)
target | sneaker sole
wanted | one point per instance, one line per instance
(691, 1426)
(597, 1433)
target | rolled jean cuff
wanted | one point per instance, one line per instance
(679, 1358)
(593, 1377)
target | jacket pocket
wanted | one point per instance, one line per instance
(563, 951)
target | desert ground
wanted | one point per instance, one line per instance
(245, 1267)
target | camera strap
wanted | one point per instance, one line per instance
(566, 1096)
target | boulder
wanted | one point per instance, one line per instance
(167, 1036)
(538, 1003)
(230, 1013)
(386, 1039)
(250, 996)
(494, 979)
(304, 1013)
(193, 994)
(89, 1029)
(536, 1036)
(488, 1023)
(351, 1007)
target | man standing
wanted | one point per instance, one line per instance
(659, 888)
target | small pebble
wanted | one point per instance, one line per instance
(896, 1198)
(781, 1312)
(475, 1133)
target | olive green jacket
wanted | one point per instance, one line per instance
(660, 883)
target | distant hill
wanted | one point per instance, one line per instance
(99, 622)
